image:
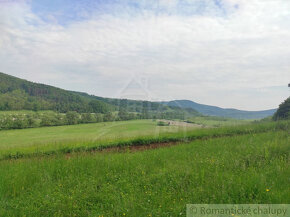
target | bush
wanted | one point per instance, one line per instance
(163, 123)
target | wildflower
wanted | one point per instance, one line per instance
(267, 189)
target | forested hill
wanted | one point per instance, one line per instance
(20, 94)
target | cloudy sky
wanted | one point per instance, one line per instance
(229, 53)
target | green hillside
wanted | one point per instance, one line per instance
(20, 94)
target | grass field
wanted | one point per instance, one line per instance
(15, 143)
(23, 112)
(240, 164)
(53, 138)
(217, 121)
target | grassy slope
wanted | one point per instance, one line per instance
(159, 182)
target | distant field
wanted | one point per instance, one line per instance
(250, 168)
(64, 139)
(217, 121)
(51, 138)
(22, 112)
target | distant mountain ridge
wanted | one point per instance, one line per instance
(222, 112)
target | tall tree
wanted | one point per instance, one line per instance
(283, 111)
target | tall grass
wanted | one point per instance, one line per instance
(244, 168)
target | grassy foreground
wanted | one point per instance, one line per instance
(252, 168)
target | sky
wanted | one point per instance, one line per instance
(228, 53)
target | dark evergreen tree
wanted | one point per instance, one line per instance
(283, 111)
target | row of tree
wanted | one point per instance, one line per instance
(21, 121)
(40, 119)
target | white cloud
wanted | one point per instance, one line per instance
(211, 58)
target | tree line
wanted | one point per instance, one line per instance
(30, 119)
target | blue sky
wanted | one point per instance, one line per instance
(229, 53)
(67, 11)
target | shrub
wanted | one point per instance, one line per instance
(163, 123)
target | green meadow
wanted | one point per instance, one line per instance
(248, 163)
(59, 137)
(51, 140)
(213, 121)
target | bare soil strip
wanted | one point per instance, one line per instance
(134, 148)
